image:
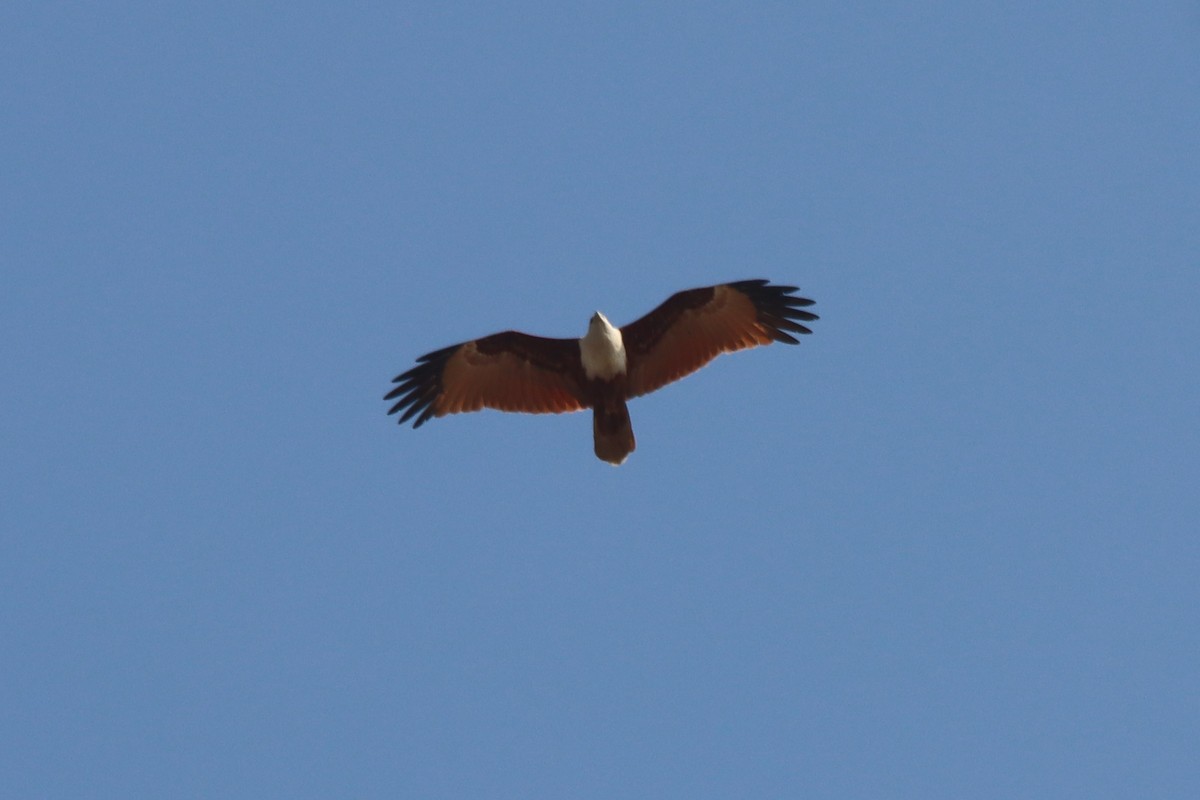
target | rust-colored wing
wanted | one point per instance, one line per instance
(692, 328)
(508, 371)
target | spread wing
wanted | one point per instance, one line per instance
(508, 371)
(693, 327)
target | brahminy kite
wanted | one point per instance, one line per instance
(513, 371)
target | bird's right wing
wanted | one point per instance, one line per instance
(509, 371)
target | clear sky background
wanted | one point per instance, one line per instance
(945, 548)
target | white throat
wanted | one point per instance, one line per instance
(601, 349)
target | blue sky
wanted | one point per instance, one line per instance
(945, 548)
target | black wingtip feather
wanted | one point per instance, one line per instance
(419, 387)
(778, 308)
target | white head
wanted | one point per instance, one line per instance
(602, 349)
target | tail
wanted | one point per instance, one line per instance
(613, 432)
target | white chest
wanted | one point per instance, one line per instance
(602, 351)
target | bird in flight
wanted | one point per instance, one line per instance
(513, 371)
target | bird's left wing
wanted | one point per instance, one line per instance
(509, 371)
(695, 326)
